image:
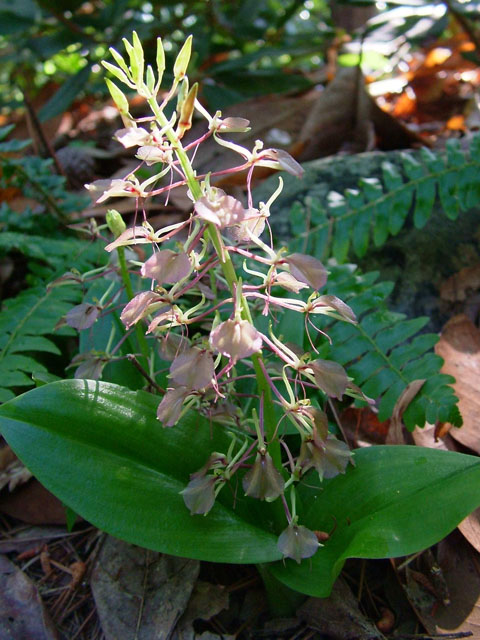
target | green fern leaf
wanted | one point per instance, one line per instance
(384, 352)
(28, 321)
(24, 322)
(380, 206)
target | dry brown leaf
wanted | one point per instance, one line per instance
(455, 288)
(338, 616)
(207, 600)
(459, 346)
(470, 529)
(395, 434)
(275, 119)
(344, 116)
(32, 503)
(140, 593)
(426, 437)
(31, 538)
(460, 565)
(22, 614)
(362, 427)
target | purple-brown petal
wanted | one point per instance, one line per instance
(307, 269)
(297, 542)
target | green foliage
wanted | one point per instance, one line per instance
(379, 207)
(110, 436)
(385, 351)
(27, 325)
(28, 321)
(243, 48)
(137, 469)
(34, 179)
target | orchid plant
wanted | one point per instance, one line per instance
(222, 263)
(231, 455)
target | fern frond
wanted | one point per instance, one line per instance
(384, 352)
(379, 207)
(58, 254)
(27, 323)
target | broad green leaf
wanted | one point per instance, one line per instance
(101, 450)
(396, 501)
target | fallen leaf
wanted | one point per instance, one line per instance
(31, 538)
(426, 437)
(140, 593)
(338, 616)
(395, 434)
(459, 346)
(460, 565)
(362, 427)
(470, 529)
(22, 614)
(12, 471)
(345, 116)
(455, 288)
(32, 503)
(207, 600)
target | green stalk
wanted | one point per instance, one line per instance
(127, 283)
(231, 278)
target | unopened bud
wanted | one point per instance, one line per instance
(186, 111)
(183, 58)
(118, 97)
(115, 222)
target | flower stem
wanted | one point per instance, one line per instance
(230, 276)
(127, 283)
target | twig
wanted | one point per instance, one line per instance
(37, 126)
(442, 636)
(133, 359)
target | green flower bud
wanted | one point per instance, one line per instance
(115, 71)
(115, 222)
(119, 60)
(150, 79)
(118, 97)
(183, 58)
(160, 60)
(186, 111)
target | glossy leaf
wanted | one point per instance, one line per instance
(396, 501)
(101, 450)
